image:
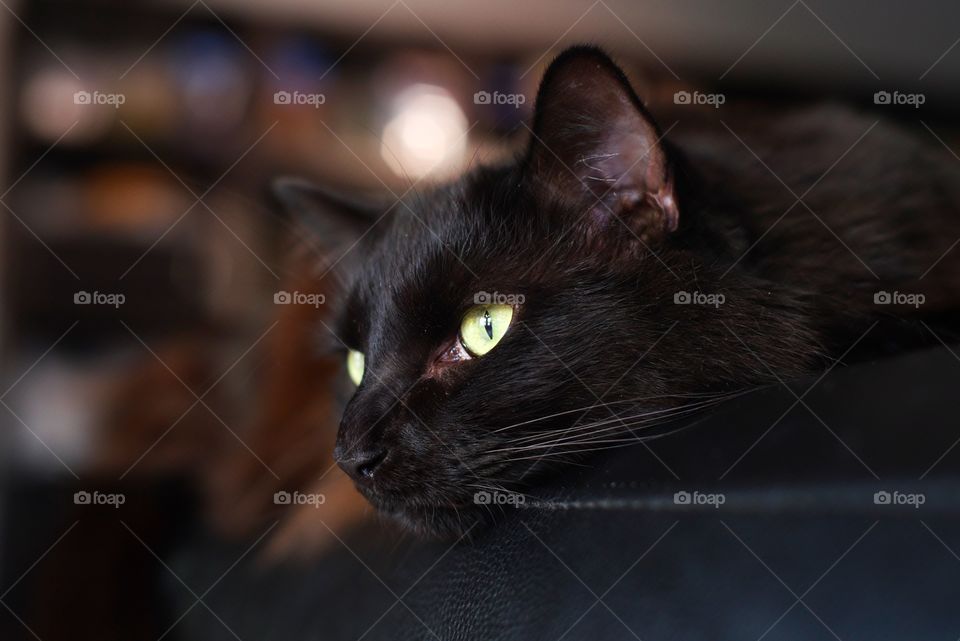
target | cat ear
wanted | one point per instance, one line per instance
(334, 221)
(594, 144)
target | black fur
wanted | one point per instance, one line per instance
(599, 269)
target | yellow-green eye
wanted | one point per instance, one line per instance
(355, 366)
(483, 326)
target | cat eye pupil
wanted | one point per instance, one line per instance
(483, 326)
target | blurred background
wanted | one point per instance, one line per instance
(142, 343)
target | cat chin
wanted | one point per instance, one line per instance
(439, 522)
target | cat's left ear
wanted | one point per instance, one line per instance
(334, 221)
(595, 145)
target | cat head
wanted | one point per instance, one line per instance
(483, 317)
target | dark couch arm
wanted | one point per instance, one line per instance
(832, 517)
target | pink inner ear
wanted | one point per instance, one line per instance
(632, 176)
(668, 205)
(594, 139)
(648, 216)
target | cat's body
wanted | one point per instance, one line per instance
(649, 275)
(879, 203)
(829, 208)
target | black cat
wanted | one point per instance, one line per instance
(614, 277)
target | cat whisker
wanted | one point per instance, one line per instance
(607, 444)
(588, 437)
(493, 489)
(660, 413)
(645, 420)
(606, 403)
(615, 421)
(558, 454)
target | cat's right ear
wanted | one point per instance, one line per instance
(595, 148)
(334, 222)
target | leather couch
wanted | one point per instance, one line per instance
(831, 517)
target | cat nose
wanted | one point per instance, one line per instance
(361, 465)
